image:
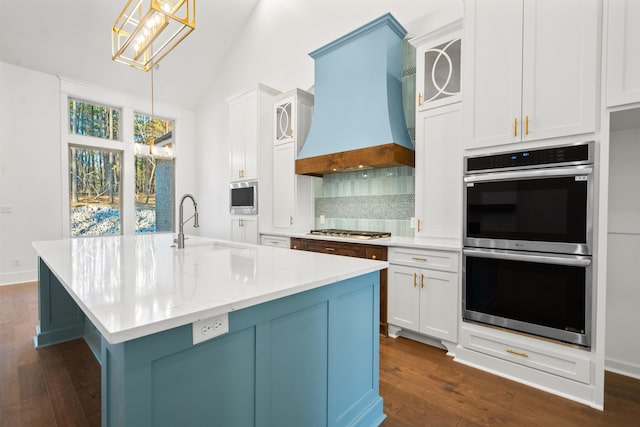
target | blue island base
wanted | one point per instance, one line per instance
(310, 359)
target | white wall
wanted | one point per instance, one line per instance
(29, 168)
(32, 180)
(273, 50)
(622, 351)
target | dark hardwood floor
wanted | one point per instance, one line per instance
(421, 386)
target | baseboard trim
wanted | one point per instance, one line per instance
(18, 277)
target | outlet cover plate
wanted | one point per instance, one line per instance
(212, 327)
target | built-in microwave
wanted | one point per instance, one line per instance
(243, 198)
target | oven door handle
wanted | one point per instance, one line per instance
(526, 174)
(571, 260)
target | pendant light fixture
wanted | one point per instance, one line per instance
(147, 30)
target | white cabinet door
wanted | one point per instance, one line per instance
(403, 297)
(559, 68)
(438, 59)
(530, 70)
(439, 172)
(284, 188)
(623, 52)
(284, 120)
(439, 304)
(243, 136)
(492, 71)
(244, 229)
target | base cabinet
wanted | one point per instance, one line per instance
(355, 250)
(422, 299)
(275, 241)
(244, 229)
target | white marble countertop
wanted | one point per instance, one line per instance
(393, 241)
(132, 286)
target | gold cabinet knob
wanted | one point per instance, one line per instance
(373, 257)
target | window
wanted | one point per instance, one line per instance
(154, 174)
(93, 120)
(94, 191)
(120, 164)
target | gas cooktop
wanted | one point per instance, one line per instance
(352, 234)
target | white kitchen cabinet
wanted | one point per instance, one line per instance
(250, 126)
(275, 241)
(244, 229)
(529, 69)
(623, 60)
(438, 70)
(439, 172)
(423, 293)
(293, 195)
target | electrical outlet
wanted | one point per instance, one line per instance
(17, 262)
(321, 219)
(210, 328)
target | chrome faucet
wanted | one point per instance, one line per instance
(180, 239)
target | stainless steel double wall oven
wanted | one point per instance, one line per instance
(528, 241)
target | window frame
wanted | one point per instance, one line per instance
(127, 105)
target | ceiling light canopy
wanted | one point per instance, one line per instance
(147, 30)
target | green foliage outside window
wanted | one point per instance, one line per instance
(93, 120)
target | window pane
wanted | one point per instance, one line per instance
(93, 120)
(94, 181)
(154, 174)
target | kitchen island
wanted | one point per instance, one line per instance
(301, 349)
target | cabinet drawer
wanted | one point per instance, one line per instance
(434, 260)
(277, 241)
(568, 363)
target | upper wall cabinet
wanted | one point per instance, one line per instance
(250, 126)
(530, 69)
(623, 61)
(438, 67)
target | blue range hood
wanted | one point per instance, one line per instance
(358, 119)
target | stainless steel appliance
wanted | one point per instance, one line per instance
(353, 234)
(537, 200)
(528, 241)
(243, 198)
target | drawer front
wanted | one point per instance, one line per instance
(335, 248)
(569, 365)
(276, 241)
(434, 260)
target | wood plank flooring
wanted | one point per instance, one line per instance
(421, 386)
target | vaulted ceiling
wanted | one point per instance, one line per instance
(72, 39)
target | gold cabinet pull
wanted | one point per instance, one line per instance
(415, 279)
(275, 242)
(415, 258)
(374, 257)
(290, 220)
(329, 249)
(422, 280)
(517, 353)
(526, 125)
(295, 247)
(291, 133)
(515, 126)
(419, 99)
(418, 225)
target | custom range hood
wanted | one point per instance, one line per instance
(358, 119)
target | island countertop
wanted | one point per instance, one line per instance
(133, 286)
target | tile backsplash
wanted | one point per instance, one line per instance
(371, 200)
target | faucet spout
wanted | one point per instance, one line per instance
(181, 222)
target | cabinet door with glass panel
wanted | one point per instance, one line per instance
(438, 66)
